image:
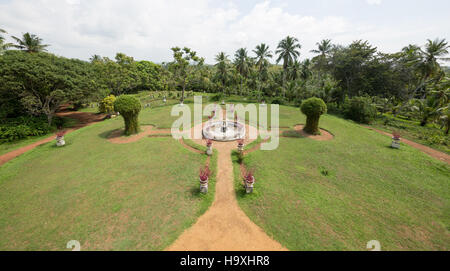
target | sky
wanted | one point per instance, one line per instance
(147, 29)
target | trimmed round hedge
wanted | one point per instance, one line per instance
(129, 108)
(313, 108)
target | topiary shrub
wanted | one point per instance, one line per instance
(313, 108)
(129, 108)
(107, 104)
(360, 109)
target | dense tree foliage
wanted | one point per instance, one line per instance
(356, 80)
(41, 82)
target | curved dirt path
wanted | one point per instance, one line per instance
(224, 226)
(83, 118)
(431, 152)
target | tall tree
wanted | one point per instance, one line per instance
(181, 65)
(434, 51)
(222, 68)
(287, 51)
(30, 43)
(323, 49)
(3, 46)
(262, 53)
(241, 62)
(44, 81)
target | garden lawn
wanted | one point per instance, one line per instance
(340, 194)
(135, 196)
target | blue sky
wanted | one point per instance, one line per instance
(147, 29)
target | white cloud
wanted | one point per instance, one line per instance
(373, 2)
(148, 29)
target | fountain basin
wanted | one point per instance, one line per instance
(224, 130)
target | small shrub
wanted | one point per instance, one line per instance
(129, 108)
(360, 109)
(325, 172)
(22, 127)
(107, 104)
(313, 108)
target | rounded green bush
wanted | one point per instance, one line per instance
(313, 108)
(107, 104)
(129, 108)
(360, 109)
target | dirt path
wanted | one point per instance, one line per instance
(224, 226)
(83, 118)
(431, 152)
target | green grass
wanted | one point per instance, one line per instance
(340, 194)
(11, 146)
(329, 195)
(135, 196)
(429, 134)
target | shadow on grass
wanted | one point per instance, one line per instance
(292, 134)
(107, 134)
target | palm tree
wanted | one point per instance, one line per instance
(262, 54)
(323, 49)
(288, 51)
(3, 46)
(305, 72)
(426, 108)
(241, 61)
(434, 52)
(30, 43)
(294, 70)
(222, 68)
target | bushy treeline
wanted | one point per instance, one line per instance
(356, 81)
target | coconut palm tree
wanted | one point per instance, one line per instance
(323, 49)
(294, 70)
(287, 51)
(262, 54)
(426, 108)
(3, 46)
(222, 68)
(434, 52)
(241, 62)
(305, 71)
(30, 43)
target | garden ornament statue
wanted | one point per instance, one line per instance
(60, 139)
(204, 179)
(395, 140)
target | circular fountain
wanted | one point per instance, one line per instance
(224, 130)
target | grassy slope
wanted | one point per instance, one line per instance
(399, 197)
(140, 195)
(10, 146)
(429, 134)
